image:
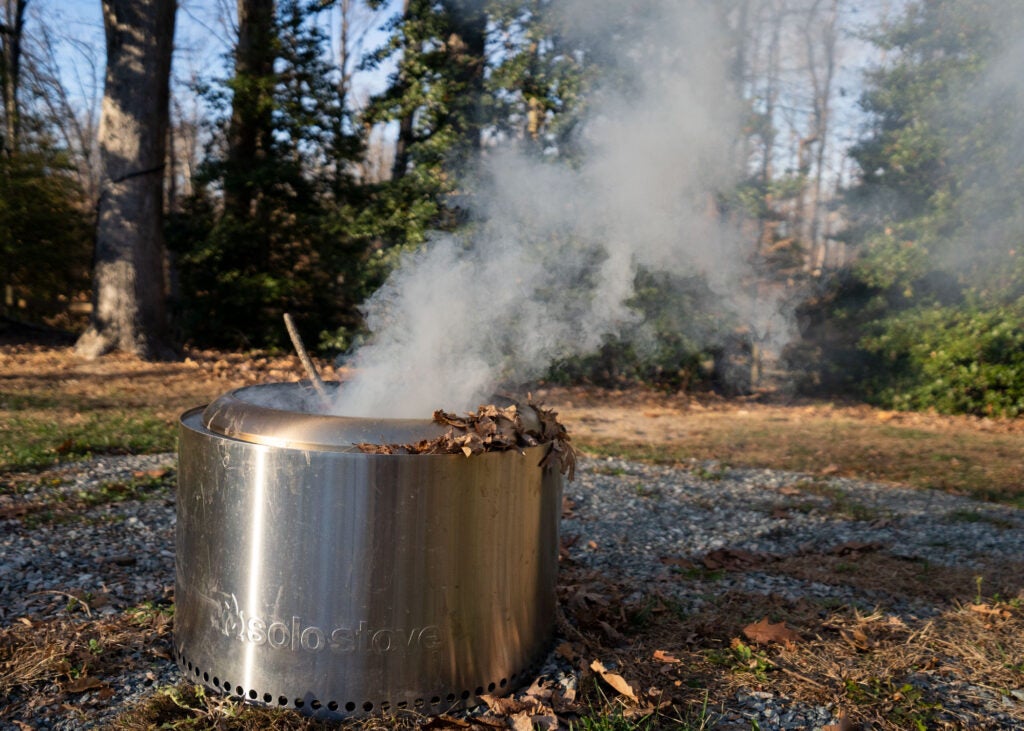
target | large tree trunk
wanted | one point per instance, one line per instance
(11, 29)
(128, 280)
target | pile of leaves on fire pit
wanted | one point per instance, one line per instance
(494, 429)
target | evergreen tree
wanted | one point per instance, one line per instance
(930, 314)
(279, 239)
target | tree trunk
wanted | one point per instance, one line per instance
(251, 107)
(405, 123)
(468, 49)
(10, 69)
(128, 279)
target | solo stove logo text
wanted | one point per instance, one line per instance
(298, 636)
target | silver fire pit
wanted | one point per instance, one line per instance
(313, 576)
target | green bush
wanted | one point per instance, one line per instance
(955, 360)
(671, 345)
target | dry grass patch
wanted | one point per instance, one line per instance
(46, 663)
(979, 457)
(961, 668)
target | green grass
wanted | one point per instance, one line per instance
(33, 441)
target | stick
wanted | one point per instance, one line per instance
(307, 363)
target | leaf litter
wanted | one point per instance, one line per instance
(493, 428)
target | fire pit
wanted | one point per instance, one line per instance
(315, 576)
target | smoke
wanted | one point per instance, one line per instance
(550, 263)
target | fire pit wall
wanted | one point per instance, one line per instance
(316, 577)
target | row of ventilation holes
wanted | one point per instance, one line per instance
(333, 705)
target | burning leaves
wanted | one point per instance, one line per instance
(494, 429)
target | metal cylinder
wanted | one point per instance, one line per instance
(313, 576)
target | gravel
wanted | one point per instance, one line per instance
(625, 518)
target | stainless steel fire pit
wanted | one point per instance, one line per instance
(314, 576)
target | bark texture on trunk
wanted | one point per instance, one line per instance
(10, 70)
(128, 281)
(251, 106)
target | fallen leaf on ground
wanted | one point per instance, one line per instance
(844, 724)
(765, 632)
(446, 723)
(662, 656)
(613, 679)
(858, 639)
(989, 610)
(521, 722)
(80, 685)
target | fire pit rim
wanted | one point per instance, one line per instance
(233, 416)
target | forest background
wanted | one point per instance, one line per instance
(870, 182)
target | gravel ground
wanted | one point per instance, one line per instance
(625, 518)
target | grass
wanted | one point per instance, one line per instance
(37, 439)
(963, 458)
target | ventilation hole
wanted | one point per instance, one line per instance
(196, 669)
(206, 677)
(332, 706)
(465, 694)
(403, 705)
(350, 706)
(190, 666)
(267, 698)
(367, 706)
(435, 700)
(239, 690)
(385, 706)
(282, 701)
(299, 703)
(491, 687)
(450, 697)
(253, 693)
(503, 682)
(479, 690)
(418, 703)
(315, 705)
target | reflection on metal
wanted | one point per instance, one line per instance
(343, 583)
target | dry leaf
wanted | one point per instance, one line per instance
(521, 722)
(662, 656)
(989, 610)
(446, 723)
(155, 474)
(567, 651)
(857, 638)
(613, 679)
(765, 632)
(80, 685)
(844, 724)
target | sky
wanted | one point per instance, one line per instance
(202, 41)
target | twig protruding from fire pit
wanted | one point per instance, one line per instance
(494, 429)
(307, 362)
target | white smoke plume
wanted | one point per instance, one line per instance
(551, 261)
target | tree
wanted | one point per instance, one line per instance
(929, 314)
(129, 293)
(11, 31)
(271, 226)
